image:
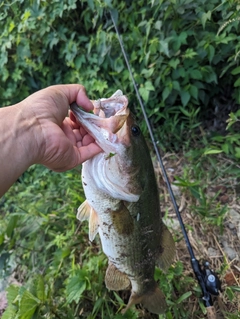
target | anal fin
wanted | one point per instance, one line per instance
(167, 253)
(115, 279)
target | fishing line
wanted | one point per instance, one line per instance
(207, 279)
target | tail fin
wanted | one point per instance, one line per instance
(153, 300)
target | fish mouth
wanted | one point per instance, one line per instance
(106, 122)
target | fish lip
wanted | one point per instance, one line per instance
(86, 120)
(104, 129)
(112, 106)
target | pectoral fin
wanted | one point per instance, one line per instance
(86, 212)
(167, 253)
(115, 279)
(154, 300)
(93, 224)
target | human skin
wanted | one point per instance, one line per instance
(37, 131)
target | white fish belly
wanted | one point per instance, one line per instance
(117, 248)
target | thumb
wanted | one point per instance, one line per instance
(74, 156)
(84, 153)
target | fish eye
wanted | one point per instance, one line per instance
(135, 130)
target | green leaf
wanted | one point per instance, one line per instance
(195, 74)
(26, 15)
(1, 241)
(166, 93)
(11, 26)
(237, 83)
(203, 307)
(193, 91)
(185, 112)
(183, 297)
(237, 152)
(149, 86)
(40, 289)
(12, 292)
(97, 305)
(182, 72)
(230, 293)
(205, 16)
(27, 305)
(225, 148)
(185, 97)
(164, 47)
(211, 78)
(176, 86)
(189, 54)
(236, 70)
(11, 225)
(10, 313)
(79, 61)
(144, 93)
(211, 52)
(235, 288)
(158, 25)
(3, 58)
(174, 63)
(75, 288)
(144, 90)
(147, 72)
(182, 37)
(212, 151)
(91, 4)
(120, 301)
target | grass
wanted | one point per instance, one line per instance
(62, 274)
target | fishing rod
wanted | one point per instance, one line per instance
(207, 279)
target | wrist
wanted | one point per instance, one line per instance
(27, 131)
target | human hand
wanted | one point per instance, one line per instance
(59, 142)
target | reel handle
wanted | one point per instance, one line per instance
(211, 312)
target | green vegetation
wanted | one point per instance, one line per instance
(185, 59)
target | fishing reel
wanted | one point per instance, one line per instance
(212, 282)
(207, 279)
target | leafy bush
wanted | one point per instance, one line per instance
(183, 53)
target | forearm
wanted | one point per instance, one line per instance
(17, 146)
(36, 131)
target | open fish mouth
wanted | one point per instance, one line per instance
(104, 124)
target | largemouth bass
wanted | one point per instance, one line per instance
(122, 203)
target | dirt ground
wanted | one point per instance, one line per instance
(220, 246)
